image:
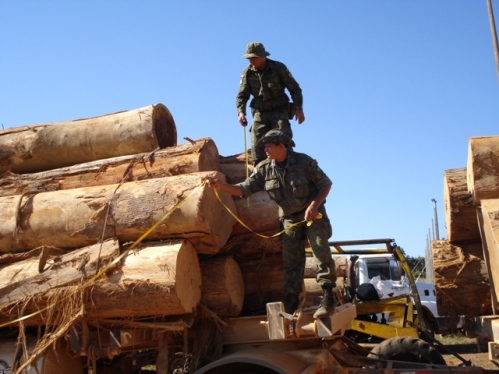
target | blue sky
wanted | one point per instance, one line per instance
(393, 89)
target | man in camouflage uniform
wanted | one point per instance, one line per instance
(299, 186)
(266, 80)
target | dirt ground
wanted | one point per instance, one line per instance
(467, 348)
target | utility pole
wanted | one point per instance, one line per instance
(495, 45)
(437, 235)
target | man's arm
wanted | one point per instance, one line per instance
(242, 98)
(231, 189)
(296, 93)
(311, 212)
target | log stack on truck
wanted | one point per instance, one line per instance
(465, 264)
(116, 255)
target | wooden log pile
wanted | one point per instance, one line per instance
(129, 233)
(113, 231)
(465, 280)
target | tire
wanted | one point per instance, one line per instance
(430, 330)
(403, 348)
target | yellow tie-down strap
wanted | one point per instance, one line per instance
(319, 216)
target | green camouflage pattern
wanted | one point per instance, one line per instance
(263, 122)
(270, 103)
(293, 187)
(293, 251)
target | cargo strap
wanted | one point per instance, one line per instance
(319, 216)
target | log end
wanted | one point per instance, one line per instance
(164, 126)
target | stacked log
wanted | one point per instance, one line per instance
(464, 282)
(120, 231)
(48, 146)
(57, 222)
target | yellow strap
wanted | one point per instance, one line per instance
(319, 216)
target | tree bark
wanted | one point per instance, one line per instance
(234, 167)
(461, 279)
(191, 157)
(77, 217)
(34, 148)
(263, 281)
(460, 212)
(155, 280)
(483, 168)
(258, 212)
(223, 286)
(23, 280)
(252, 246)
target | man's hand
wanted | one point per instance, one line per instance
(300, 116)
(311, 213)
(242, 119)
(212, 182)
(231, 189)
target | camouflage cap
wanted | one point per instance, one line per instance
(277, 137)
(255, 49)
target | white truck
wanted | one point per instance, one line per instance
(385, 269)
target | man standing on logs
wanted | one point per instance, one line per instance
(266, 80)
(299, 186)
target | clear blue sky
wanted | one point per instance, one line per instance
(392, 89)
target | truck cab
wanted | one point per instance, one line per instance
(384, 271)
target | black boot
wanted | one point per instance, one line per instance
(291, 302)
(327, 302)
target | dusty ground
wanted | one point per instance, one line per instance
(467, 348)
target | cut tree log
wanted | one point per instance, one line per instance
(234, 167)
(263, 281)
(461, 220)
(340, 264)
(78, 217)
(34, 148)
(191, 157)
(156, 279)
(461, 279)
(22, 280)
(252, 246)
(258, 212)
(159, 279)
(223, 286)
(489, 224)
(483, 168)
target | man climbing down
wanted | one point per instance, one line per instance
(299, 187)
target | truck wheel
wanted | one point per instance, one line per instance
(407, 349)
(429, 333)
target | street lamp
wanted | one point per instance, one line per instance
(437, 235)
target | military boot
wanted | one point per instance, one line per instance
(327, 302)
(291, 302)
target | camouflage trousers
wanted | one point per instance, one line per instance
(293, 251)
(263, 122)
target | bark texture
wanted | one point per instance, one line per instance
(184, 205)
(461, 279)
(191, 157)
(48, 146)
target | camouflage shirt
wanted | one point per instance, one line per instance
(292, 187)
(267, 88)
